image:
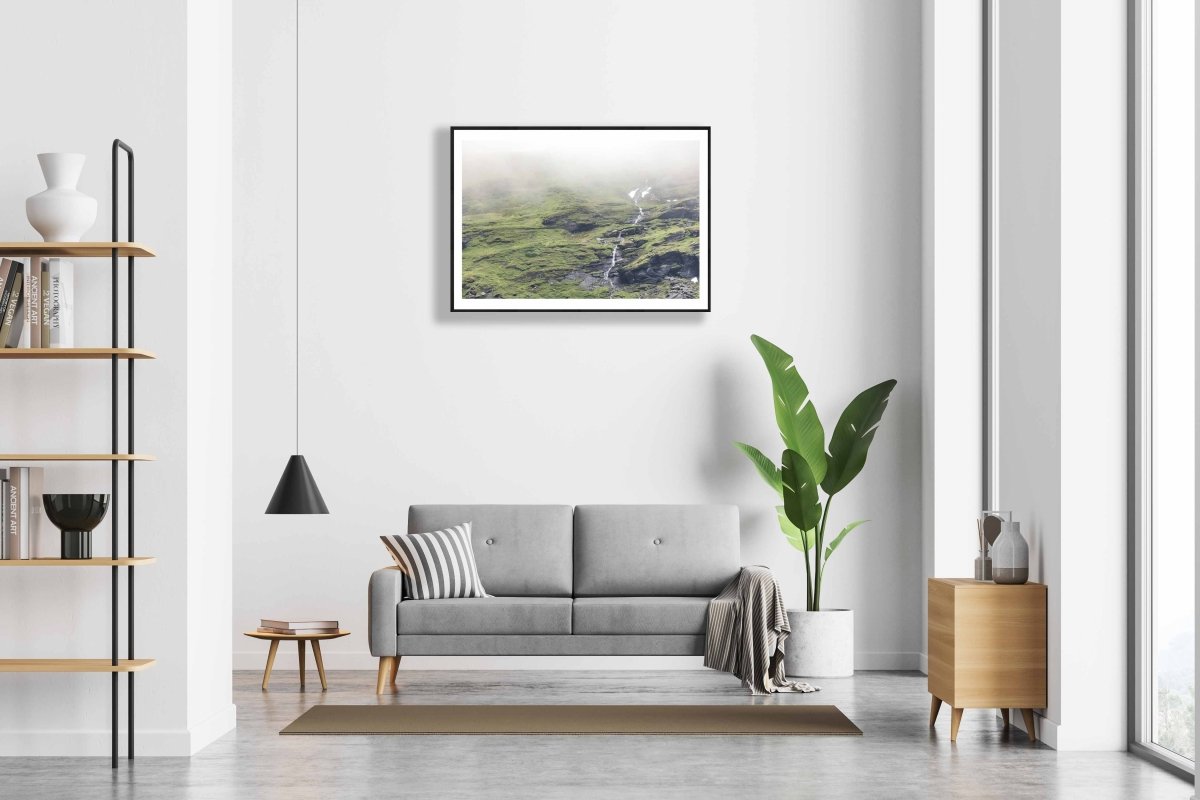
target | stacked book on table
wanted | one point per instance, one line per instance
(297, 627)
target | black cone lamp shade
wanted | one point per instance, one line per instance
(297, 492)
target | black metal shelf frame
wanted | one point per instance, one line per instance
(117, 148)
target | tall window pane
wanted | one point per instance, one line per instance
(1172, 364)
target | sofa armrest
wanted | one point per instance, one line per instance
(383, 593)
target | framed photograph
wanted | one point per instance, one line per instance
(580, 219)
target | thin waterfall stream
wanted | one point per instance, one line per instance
(636, 195)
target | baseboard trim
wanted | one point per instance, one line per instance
(255, 660)
(211, 729)
(151, 743)
(886, 661)
(923, 663)
(1047, 728)
(363, 660)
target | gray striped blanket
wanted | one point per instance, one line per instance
(747, 629)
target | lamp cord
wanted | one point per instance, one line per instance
(297, 227)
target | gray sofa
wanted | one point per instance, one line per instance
(588, 580)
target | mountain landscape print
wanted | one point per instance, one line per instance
(580, 219)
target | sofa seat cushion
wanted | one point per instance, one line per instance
(485, 615)
(640, 615)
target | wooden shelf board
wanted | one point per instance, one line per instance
(126, 561)
(6, 457)
(74, 664)
(78, 353)
(74, 249)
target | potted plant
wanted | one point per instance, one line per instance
(822, 640)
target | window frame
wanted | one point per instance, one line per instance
(1141, 423)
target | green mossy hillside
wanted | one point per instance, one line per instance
(557, 242)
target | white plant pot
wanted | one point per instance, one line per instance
(821, 644)
(61, 213)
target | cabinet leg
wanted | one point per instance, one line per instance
(1027, 714)
(385, 670)
(955, 719)
(1004, 713)
(935, 705)
(300, 650)
(316, 646)
(270, 663)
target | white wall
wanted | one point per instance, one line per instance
(1028, 352)
(92, 84)
(815, 109)
(1062, 371)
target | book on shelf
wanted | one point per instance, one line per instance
(61, 321)
(10, 301)
(294, 626)
(31, 331)
(4, 489)
(18, 320)
(12, 517)
(45, 282)
(6, 272)
(23, 514)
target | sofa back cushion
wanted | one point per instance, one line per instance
(654, 550)
(520, 551)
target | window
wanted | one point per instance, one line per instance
(1164, 408)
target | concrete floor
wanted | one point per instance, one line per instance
(898, 756)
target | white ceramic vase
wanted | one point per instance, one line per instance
(61, 213)
(1010, 555)
(821, 644)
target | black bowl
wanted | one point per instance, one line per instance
(75, 512)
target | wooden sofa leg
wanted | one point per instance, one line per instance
(395, 669)
(387, 670)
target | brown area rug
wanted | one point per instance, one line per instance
(739, 720)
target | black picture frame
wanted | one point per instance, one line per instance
(656, 306)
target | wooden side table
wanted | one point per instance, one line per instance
(299, 639)
(987, 648)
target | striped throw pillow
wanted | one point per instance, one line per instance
(437, 565)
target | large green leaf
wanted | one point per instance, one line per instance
(795, 414)
(853, 435)
(801, 540)
(838, 539)
(801, 502)
(766, 467)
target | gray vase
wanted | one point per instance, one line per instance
(1010, 555)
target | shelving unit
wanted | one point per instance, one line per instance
(115, 355)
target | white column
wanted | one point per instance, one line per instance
(210, 282)
(1094, 276)
(952, 272)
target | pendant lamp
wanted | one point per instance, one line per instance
(297, 491)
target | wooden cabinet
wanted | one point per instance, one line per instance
(987, 648)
